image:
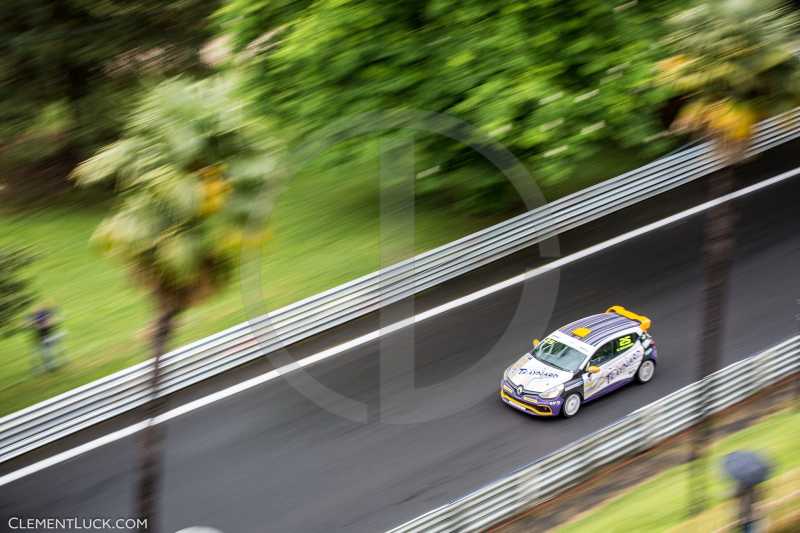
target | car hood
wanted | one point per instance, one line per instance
(534, 375)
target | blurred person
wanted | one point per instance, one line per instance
(45, 322)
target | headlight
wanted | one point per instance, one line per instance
(552, 392)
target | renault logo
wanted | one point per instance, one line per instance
(519, 390)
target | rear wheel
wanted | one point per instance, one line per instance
(572, 405)
(646, 371)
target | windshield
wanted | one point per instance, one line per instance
(559, 355)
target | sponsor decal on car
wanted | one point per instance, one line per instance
(536, 373)
(622, 368)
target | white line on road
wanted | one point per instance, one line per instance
(370, 337)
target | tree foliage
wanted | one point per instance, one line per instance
(556, 82)
(194, 172)
(68, 67)
(15, 293)
(734, 62)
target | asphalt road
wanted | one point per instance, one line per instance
(276, 458)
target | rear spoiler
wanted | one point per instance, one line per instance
(621, 311)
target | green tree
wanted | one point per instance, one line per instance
(734, 63)
(15, 293)
(195, 173)
(556, 82)
(67, 67)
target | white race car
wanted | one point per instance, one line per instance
(580, 362)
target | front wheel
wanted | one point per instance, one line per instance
(646, 371)
(572, 405)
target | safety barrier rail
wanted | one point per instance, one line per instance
(103, 399)
(642, 429)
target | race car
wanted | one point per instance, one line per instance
(580, 362)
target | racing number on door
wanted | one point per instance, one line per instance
(624, 343)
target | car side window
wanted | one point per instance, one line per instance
(625, 342)
(603, 354)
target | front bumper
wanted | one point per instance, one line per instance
(530, 404)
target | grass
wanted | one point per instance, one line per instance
(783, 493)
(660, 503)
(325, 231)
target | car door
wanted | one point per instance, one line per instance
(628, 353)
(594, 384)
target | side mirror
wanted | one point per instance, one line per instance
(593, 369)
(536, 342)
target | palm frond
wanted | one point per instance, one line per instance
(118, 159)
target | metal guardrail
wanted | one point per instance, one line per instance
(640, 430)
(100, 400)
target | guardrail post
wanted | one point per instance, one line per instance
(530, 486)
(648, 421)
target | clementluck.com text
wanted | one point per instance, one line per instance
(16, 523)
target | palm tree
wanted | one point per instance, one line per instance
(734, 63)
(194, 174)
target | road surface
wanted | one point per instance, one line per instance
(271, 459)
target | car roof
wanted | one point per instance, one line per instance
(596, 329)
